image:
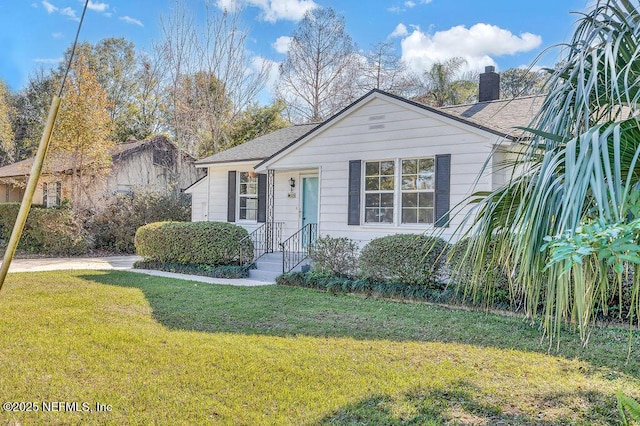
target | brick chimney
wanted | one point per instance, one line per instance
(489, 89)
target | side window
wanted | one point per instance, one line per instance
(248, 196)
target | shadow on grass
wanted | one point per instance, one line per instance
(462, 403)
(288, 311)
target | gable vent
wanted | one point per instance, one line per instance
(377, 117)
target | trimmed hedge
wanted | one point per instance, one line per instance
(391, 290)
(406, 258)
(192, 243)
(52, 231)
(226, 271)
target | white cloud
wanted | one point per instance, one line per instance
(399, 31)
(476, 45)
(98, 7)
(49, 7)
(130, 20)
(281, 45)
(71, 13)
(272, 10)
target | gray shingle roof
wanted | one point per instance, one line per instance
(261, 147)
(60, 163)
(502, 115)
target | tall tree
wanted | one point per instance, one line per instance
(7, 112)
(115, 65)
(83, 129)
(32, 105)
(318, 76)
(568, 221)
(257, 121)
(218, 51)
(384, 69)
(516, 82)
(446, 84)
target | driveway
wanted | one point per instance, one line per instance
(116, 263)
(57, 264)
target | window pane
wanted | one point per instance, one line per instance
(425, 166)
(425, 215)
(372, 200)
(409, 167)
(371, 215)
(425, 182)
(386, 200)
(409, 215)
(408, 183)
(252, 188)
(372, 168)
(387, 215)
(372, 184)
(426, 199)
(410, 200)
(386, 183)
(387, 168)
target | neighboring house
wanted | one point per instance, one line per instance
(383, 165)
(153, 164)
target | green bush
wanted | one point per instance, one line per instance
(405, 258)
(225, 271)
(114, 228)
(194, 243)
(335, 256)
(493, 282)
(50, 231)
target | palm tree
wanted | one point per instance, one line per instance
(568, 217)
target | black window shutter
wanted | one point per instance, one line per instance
(443, 189)
(44, 194)
(355, 176)
(262, 198)
(231, 197)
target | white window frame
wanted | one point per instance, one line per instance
(247, 196)
(428, 190)
(380, 192)
(398, 191)
(53, 198)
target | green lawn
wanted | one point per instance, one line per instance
(175, 352)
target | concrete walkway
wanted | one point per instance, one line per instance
(122, 263)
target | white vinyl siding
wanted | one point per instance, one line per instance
(408, 133)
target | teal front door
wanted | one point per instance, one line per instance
(309, 209)
(309, 200)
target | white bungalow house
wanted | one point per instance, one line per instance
(382, 165)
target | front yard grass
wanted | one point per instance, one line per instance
(166, 351)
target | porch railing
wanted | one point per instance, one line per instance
(295, 249)
(264, 239)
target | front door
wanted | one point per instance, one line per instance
(309, 204)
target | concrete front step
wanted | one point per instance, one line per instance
(266, 276)
(269, 266)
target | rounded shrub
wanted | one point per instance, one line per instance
(405, 258)
(193, 243)
(335, 256)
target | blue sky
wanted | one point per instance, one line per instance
(504, 33)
